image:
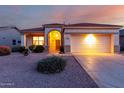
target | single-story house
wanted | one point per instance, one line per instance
(76, 38)
(10, 36)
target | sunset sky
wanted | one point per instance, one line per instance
(35, 16)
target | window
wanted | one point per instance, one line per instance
(19, 42)
(14, 42)
(38, 40)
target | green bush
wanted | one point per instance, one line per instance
(5, 50)
(38, 49)
(18, 49)
(51, 64)
(22, 49)
(31, 47)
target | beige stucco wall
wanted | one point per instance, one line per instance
(115, 43)
(29, 40)
(67, 48)
(23, 39)
(92, 31)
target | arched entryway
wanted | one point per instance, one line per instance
(54, 41)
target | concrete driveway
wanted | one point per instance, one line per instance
(107, 70)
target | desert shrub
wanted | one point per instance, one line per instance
(5, 50)
(51, 64)
(18, 49)
(15, 49)
(38, 49)
(21, 49)
(31, 47)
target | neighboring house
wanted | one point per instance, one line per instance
(122, 40)
(10, 36)
(76, 38)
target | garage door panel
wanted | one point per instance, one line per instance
(102, 44)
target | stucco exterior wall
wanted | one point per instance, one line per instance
(8, 35)
(116, 43)
(92, 31)
(23, 39)
(67, 44)
(29, 40)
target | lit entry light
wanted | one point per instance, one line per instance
(57, 35)
(90, 39)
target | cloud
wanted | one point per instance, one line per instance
(33, 16)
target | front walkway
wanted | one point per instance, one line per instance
(106, 69)
(17, 70)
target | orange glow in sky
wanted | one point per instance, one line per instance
(35, 16)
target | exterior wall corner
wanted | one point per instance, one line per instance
(116, 49)
(23, 39)
(67, 49)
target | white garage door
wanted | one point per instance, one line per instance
(91, 43)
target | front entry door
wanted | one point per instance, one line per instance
(54, 41)
(57, 45)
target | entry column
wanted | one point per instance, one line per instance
(23, 39)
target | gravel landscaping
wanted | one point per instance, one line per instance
(20, 71)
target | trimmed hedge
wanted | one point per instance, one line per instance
(5, 50)
(36, 48)
(53, 64)
(31, 47)
(22, 49)
(15, 49)
(18, 49)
